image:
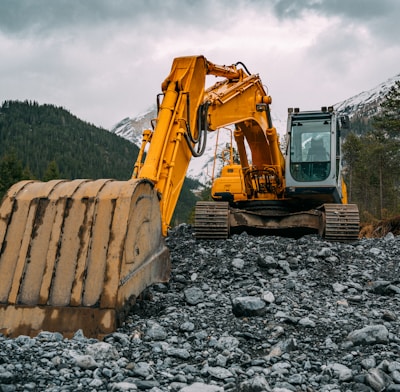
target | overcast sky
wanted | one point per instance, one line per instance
(104, 60)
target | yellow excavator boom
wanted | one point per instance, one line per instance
(188, 111)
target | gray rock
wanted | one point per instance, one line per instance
(194, 295)
(85, 361)
(124, 386)
(156, 332)
(201, 387)
(187, 326)
(395, 375)
(282, 347)
(178, 353)
(96, 384)
(49, 336)
(102, 351)
(248, 306)
(341, 371)
(307, 322)
(238, 263)
(338, 287)
(368, 363)
(296, 379)
(6, 376)
(377, 379)
(227, 343)
(256, 384)
(268, 297)
(219, 372)
(284, 265)
(142, 369)
(8, 388)
(394, 365)
(325, 252)
(369, 335)
(375, 251)
(146, 384)
(267, 262)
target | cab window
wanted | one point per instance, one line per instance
(310, 149)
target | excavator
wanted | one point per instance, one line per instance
(76, 255)
(301, 193)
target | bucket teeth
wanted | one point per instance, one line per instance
(74, 254)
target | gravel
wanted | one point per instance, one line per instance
(245, 314)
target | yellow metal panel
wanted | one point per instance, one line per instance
(17, 236)
(34, 270)
(64, 273)
(117, 241)
(53, 244)
(87, 195)
(10, 250)
(97, 255)
(143, 246)
(7, 206)
(20, 264)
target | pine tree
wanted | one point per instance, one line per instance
(388, 120)
(11, 171)
(52, 172)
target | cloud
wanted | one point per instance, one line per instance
(42, 17)
(380, 17)
(105, 60)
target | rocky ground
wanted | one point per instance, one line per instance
(245, 314)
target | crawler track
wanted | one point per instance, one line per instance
(342, 222)
(212, 220)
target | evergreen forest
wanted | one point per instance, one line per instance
(46, 142)
(372, 160)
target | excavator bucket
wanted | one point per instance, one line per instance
(76, 254)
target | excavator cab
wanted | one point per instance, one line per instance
(313, 164)
(314, 172)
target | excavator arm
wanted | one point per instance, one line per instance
(189, 110)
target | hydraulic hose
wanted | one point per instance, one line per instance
(202, 125)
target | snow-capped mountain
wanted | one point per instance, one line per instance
(364, 104)
(367, 102)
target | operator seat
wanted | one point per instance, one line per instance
(317, 151)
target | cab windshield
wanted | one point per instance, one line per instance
(310, 149)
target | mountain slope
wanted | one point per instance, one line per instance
(40, 134)
(366, 103)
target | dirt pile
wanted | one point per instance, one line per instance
(381, 228)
